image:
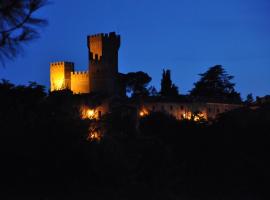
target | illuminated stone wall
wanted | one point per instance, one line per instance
(214, 109)
(186, 110)
(80, 82)
(95, 44)
(60, 75)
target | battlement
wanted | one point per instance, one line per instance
(80, 82)
(61, 63)
(95, 58)
(111, 35)
(102, 44)
(81, 73)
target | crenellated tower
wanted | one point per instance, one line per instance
(60, 75)
(103, 63)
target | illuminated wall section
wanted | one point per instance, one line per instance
(60, 75)
(95, 45)
(80, 82)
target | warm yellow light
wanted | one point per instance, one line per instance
(94, 133)
(59, 84)
(143, 113)
(90, 113)
(199, 117)
(94, 136)
(194, 117)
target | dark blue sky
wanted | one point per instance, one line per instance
(186, 36)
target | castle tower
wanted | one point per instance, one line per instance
(60, 75)
(103, 63)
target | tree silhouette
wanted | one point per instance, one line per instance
(153, 91)
(167, 87)
(249, 99)
(215, 84)
(136, 82)
(18, 25)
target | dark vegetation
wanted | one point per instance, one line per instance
(45, 154)
(215, 85)
(18, 25)
(168, 89)
(136, 83)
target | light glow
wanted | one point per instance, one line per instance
(95, 133)
(88, 113)
(94, 136)
(143, 112)
(195, 116)
(59, 84)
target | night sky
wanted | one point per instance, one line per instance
(186, 36)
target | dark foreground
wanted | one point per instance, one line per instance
(45, 154)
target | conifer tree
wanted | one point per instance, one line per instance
(168, 89)
(215, 85)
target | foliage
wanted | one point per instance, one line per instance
(249, 99)
(136, 82)
(167, 87)
(45, 154)
(157, 123)
(18, 25)
(215, 85)
(153, 91)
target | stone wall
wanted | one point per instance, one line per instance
(80, 82)
(60, 75)
(186, 110)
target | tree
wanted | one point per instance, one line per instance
(152, 91)
(167, 87)
(136, 82)
(215, 84)
(18, 25)
(249, 99)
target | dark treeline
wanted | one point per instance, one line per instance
(45, 154)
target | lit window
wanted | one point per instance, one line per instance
(143, 112)
(90, 113)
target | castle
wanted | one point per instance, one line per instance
(102, 75)
(103, 78)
